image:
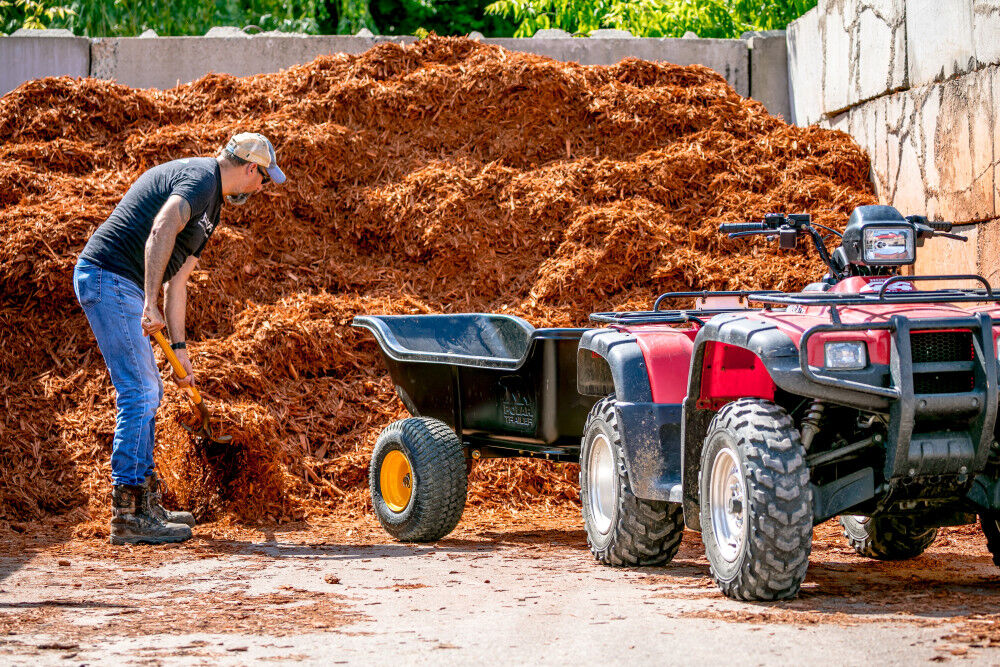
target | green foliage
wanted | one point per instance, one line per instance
(652, 18)
(123, 18)
(30, 14)
(354, 15)
(578, 17)
(108, 18)
(442, 17)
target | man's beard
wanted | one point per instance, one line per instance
(239, 199)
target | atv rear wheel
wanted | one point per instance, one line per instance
(990, 521)
(756, 503)
(887, 537)
(621, 528)
(418, 479)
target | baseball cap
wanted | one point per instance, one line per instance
(255, 148)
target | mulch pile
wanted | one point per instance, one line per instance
(445, 176)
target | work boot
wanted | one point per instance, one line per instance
(153, 500)
(131, 522)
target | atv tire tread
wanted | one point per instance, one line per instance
(440, 479)
(990, 521)
(888, 537)
(644, 532)
(778, 496)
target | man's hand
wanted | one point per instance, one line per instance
(152, 320)
(188, 380)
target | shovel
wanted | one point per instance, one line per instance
(205, 430)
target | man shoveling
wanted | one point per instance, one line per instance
(154, 237)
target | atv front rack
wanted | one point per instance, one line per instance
(769, 298)
(683, 316)
(835, 300)
(950, 295)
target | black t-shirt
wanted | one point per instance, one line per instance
(119, 244)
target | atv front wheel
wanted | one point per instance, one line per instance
(621, 528)
(417, 479)
(887, 537)
(756, 503)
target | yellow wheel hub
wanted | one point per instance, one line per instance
(396, 480)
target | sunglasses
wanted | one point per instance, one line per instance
(264, 178)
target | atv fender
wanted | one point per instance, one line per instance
(611, 362)
(752, 348)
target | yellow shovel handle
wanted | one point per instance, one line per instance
(175, 363)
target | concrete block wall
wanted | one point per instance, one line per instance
(917, 84)
(164, 62)
(129, 60)
(728, 57)
(46, 53)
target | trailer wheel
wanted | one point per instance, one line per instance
(756, 503)
(621, 528)
(417, 479)
(990, 521)
(887, 537)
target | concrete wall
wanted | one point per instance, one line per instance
(45, 53)
(917, 84)
(164, 62)
(728, 57)
(769, 71)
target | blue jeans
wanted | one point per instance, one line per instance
(113, 305)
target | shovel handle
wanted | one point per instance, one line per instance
(176, 365)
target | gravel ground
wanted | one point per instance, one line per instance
(504, 588)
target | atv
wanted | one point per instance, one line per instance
(751, 417)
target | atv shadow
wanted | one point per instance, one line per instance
(929, 585)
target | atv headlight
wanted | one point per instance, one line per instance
(845, 355)
(888, 245)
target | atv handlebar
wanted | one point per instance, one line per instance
(790, 228)
(739, 227)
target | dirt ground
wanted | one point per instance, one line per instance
(504, 587)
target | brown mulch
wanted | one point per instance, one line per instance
(444, 176)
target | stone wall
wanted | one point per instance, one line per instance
(917, 84)
(164, 62)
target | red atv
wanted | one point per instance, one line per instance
(750, 418)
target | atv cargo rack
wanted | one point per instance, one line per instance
(833, 300)
(696, 315)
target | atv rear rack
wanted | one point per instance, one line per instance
(683, 316)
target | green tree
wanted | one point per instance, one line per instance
(443, 17)
(30, 14)
(108, 18)
(652, 18)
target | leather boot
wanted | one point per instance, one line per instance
(131, 523)
(154, 506)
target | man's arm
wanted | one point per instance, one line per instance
(167, 224)
(175, 309)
